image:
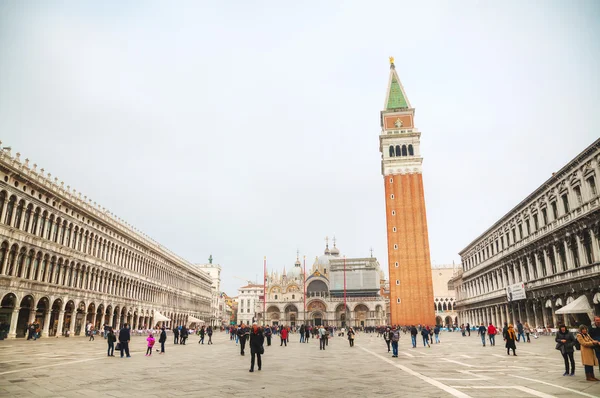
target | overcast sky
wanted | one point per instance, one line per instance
(251, 128)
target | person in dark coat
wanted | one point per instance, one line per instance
(594, 333)
(257, 340)
(268, 333)
(425, 335)
(111, 339)
(124, 338)
(413, 335)
(162, 339)
(242, 335)
(183, 333)
(209, 333)
(510, 337)
(176, 334)
(565, 341)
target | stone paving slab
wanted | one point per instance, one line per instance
(459, 366)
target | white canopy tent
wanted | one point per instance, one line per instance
(158, 317)
(192, 319)
(580, 305)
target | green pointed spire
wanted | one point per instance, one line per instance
(396, 97)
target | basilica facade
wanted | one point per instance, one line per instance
(66, 261)
(316, 297)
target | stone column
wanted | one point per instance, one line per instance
(527, 314)
(506, 313)
(61, 321)
(544, 317)
(32, 313)
(5, 261)
(12, 331)
(554, 319)
(73, 321)
(46, 327)
(556, 258)
(580, 249)
(519, 312)
(546, 261)
(594, 236)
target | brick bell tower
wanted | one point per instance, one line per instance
(411, 287)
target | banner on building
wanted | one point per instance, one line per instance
(515, 292)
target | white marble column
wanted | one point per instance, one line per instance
(61, 320)
(12, 331)
(46, 327)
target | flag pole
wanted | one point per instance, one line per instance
(265, 292)
(305, 291)
(345, 306)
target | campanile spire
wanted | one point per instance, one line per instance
(411, 287)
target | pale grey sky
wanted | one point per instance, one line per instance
(245, 130)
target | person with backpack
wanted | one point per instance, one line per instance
(395, 338)
(481, 332)
(425, 335)
(151, 342)
(565, 343)
(587, 345)
(387, 336)
(111, 339)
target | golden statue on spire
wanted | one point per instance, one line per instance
(391, 60)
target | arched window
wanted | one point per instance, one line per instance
(51, 227)
(398, 151)
(34, 223)
(27, 218)
(2, 200)
(411, 151)
(69, 233)
(19, 214)
(9, 209)
(404, 150)
(43, 223)
(391, 151)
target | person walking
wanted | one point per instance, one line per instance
(209, 333)
(492, 334)
(91, 333)
(565, 343)
(395, 337)
(469, 329)
(242, 338)
(481, 332)
(306, 334)
(162, 339)
(176, 334)
(151, 342)
(425, 335)
(111, 339)
(510, 337)
(301, 333)
(351, 335)
(257, 348)
(322, 337)
(268, 333)
(436, 332)
(527, 330)
(588, 357)
(413, 335)
(520, 331)
(284, 336)
(201, 333)
(124, 338)
(387, 336)
(183, 335)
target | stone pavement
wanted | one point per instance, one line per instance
(461, 367)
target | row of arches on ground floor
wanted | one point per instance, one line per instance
(447, 321)
(538, 313)
(316, 314)
(64, 316)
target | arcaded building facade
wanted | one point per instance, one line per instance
(411, 290)
(65, 261)
(549, 244)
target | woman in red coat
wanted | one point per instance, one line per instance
(284, 336)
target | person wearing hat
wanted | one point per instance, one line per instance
(257, 340)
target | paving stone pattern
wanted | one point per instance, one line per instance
(76, 367)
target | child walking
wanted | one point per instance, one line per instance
(151, 342)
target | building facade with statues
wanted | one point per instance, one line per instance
(65, 261)
(324, 303)
(539, 263)
(444, 294)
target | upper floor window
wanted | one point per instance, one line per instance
(535, 222)
(514, 234)
(592, 185)
(391, 151)
(565, 200)
(545, 216)
(520, 231)
(527, 227)
(577, 191)
(554, 210)
(411, 151)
